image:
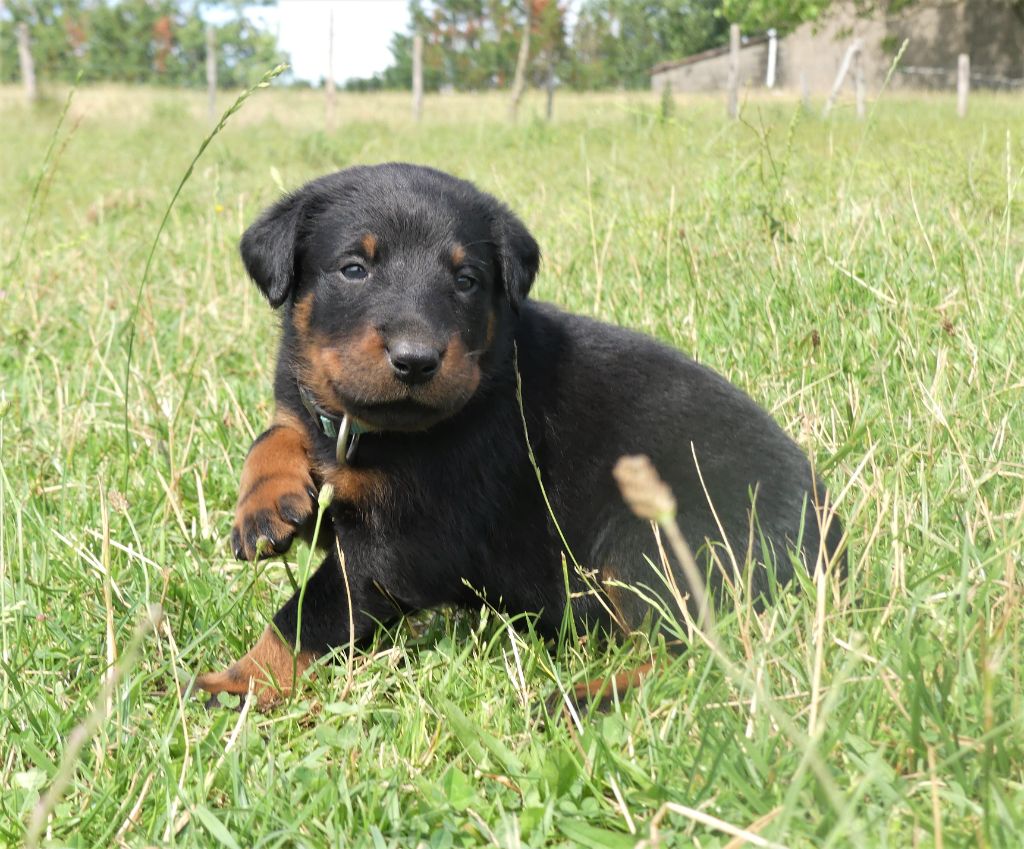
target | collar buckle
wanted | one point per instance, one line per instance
(348, 442)
(344, 431)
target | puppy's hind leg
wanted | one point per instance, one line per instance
(631, 604)
(275, 663)
(271, 668)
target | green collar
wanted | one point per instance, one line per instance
(344, 429)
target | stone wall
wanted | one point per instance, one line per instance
(710, 71)
(989, 31)
(811, 55)
(991, 34)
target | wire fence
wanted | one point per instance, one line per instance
(947, 78)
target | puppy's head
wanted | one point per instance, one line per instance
(400, 285)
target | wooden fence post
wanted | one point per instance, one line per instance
(734, 71)
(417, 77)
(329, 82)
(844, 68)
(211, 74)
(858, 81)
(963, 83)
(28, 67)
(549, 110)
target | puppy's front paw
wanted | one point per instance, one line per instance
(272, 511)
(277, 496)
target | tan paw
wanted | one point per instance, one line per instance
(276, 497)
(269, 668)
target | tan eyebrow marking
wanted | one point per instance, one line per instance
(458, 254)
(370, 245)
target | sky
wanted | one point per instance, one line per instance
(362, 34)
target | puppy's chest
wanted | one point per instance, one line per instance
(363, 488)
(443, 504)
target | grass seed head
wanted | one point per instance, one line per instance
(642, 489)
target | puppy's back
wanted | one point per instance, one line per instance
(745, 490)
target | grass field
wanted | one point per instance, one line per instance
(862, 280)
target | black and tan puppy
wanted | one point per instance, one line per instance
(403, 294)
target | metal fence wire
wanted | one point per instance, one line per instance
(946, 78)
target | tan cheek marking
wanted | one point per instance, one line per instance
(361, 366)
(300, 314)
(270, 665)
(461, 366)
(327, 361)
(370, 245)
(363, 355)
(320, 365)
(369, 346)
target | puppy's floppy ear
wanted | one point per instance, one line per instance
(268, 247)
(519, 255)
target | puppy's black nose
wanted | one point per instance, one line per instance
(414, 362)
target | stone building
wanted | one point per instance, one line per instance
(991, 32)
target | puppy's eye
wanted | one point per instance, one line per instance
(354, 271)
(465, 282)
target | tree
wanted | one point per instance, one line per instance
(548, 32)
(783, 15)
(758, 15)
(616, 42)
(473, 44)
(137, 41)
(47, 20)
(522, 60)
(467, 44)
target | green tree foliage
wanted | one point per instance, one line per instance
(549, 39)
(137, 41)
(616, 42)
(473, 44)
(467, 44)
(784, 15)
